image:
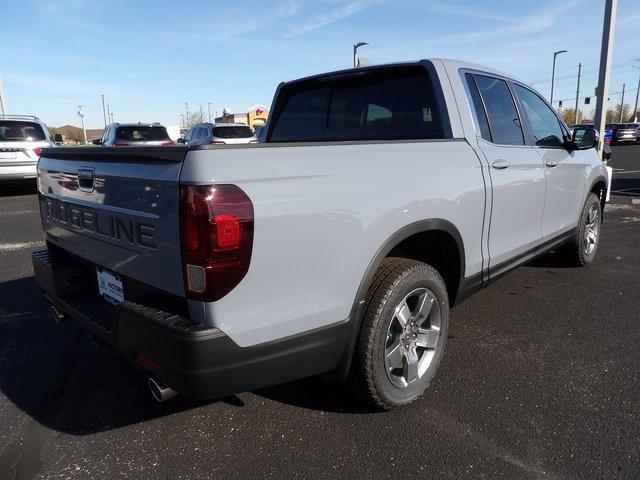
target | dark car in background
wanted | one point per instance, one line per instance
(135, 135)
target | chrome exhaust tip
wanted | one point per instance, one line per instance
(160, 391)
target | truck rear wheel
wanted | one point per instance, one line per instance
(403, 333)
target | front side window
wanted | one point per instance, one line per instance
(380, 104)
(504, 122)
(545, 126)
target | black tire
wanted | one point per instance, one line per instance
(395, 279)
(576, 252)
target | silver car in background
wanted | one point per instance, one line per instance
(135, 135)
(22, 138)
(218, 134)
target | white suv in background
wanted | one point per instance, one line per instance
(22, 138)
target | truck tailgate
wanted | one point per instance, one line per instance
(118, 208)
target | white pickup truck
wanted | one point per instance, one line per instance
(381, 197)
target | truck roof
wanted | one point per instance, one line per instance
(449, 64)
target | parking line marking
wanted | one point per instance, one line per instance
(12, 247)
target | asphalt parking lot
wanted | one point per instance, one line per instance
(540, 380)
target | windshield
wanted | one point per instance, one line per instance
(142, 134)
(11, 131)
(232, 132)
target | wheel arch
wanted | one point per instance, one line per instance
(409, 233)
(599, 187)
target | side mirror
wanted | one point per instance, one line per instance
(584, 138)
(97, 141)
(57, 138)
(180, 140)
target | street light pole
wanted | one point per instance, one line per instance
(553, 72)
(186, 106)
(182, 118)
(109, 116)
(209, 111)
(356, 46)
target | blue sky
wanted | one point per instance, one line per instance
(149, 57)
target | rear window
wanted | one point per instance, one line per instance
(390, 104)
(142, 134)
(20, 132)
(232, 132)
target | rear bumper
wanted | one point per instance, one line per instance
(17, 172)
(198, 361)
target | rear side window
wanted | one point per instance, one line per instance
(20, 132)
(481, 114)
(232, 132)
(141, 133)
(504, 122)
(390, 104)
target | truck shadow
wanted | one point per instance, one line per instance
(57, 376)
(27, 187)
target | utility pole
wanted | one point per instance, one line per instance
(622, 103)
(104, 115)
(186, 107)
(608, 31)
(81, 115)
(209, 111)
(109, 116)
(635, 108)
(182, 118)
(3, 99)
(575, 120)
(553, 72)
(201, 114)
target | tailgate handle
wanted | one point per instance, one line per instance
(85, 179)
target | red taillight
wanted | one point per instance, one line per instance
(166, 144)
(217, 238)
(150, 362)
(120, 144)
(37, 151)
(216, 142)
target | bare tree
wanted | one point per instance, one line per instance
(195, 118)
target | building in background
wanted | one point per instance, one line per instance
(255, 117)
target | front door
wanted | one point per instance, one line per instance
(564, 169)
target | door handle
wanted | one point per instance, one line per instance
(551, 163)
(500, 164)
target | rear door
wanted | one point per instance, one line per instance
(517, 175)
(564, 170)
(117, 208)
